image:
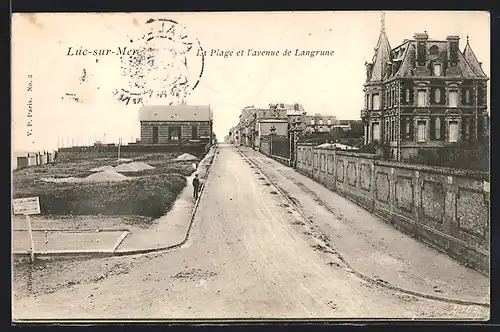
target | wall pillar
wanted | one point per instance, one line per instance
(450, 224)
(373, 183)
(418, 195)
(334, 153)
(392, 190)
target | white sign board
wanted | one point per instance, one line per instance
(26, 206)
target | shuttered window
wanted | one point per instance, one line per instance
(453, 131)
(376, 131)
(437, 70)
(376, 101)
(421, 128)
(421, 96)
(453, 98)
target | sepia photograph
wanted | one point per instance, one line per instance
(250, 166)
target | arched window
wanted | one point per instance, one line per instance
(437, 96)
(438, 127)
(433, 50)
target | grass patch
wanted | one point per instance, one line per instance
(148, 196)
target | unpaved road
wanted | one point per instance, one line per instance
(249, 256)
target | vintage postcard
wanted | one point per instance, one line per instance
(246, 166)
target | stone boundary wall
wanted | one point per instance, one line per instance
(446, 208)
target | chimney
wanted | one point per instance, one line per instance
(452, 49)
(421, 39)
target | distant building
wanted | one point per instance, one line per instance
(176, 125)
(424, 93)
(320, 123)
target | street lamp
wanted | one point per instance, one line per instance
(294, 131)
(272, 132)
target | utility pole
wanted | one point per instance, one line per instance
(119, 146)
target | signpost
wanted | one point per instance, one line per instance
(27, 206)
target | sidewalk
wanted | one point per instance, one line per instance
(172, 229)
(373, 247)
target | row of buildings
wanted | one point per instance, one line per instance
(256, 124)
(422, 94)
(28, 159)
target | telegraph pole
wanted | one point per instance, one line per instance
(119, 146)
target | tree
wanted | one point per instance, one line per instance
(357, 129)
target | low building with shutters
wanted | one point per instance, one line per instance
(424, 93)
(176, 125)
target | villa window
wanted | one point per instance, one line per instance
(453, 98)
(376, 131)
(437, 69)
(437, 125)
(421, 129)
(421, 95)
(407, 97)
(386, 130)
(467, 96)
(312, 122)
(376, 101)
(329, 122)
(437, 96)
(407, 128)
(453, 131)
(466, 130)
(393, 130)
(320, 122)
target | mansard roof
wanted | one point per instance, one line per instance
(405, 55)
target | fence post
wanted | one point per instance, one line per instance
(32, 245)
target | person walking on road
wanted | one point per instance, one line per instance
(196, 186)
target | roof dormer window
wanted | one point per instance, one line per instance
(433, 50)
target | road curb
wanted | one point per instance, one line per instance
(113, 253)
(349, 266)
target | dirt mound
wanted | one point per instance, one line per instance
(102, 168)
(143, 165)
(108, 175)
(135, 166)
(186, 156)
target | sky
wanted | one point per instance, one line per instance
(329, 84)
